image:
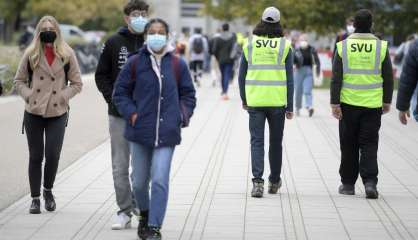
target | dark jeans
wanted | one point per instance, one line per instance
(276, 120)
(53, 129)
(226, 71)
(196, 68)
(359, 140)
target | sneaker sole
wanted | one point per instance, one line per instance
(372, 195)
(347, 193)
(127, 226)
(34, 212)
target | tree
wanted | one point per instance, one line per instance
(11, 12)
(392, 17)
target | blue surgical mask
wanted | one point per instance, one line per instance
(156, 41)
(138, 24)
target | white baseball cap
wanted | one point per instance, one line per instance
(271, 15)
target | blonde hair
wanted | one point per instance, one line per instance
(35, 50)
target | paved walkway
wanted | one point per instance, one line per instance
(211, 184)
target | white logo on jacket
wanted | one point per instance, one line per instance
(123, 56)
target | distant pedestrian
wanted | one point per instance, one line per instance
(349, 29)
(407, 85)
(361, 91)
(199, 49)
(307, 64)
(223, 49)
(47, 78)
(266, 89)
(127, 40)
(155, 95)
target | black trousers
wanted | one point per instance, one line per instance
(45, 137)
(359, 140)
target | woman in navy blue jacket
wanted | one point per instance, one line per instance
(154, 92)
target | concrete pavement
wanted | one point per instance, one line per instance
(211, 184)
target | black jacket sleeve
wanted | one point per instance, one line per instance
(336, 79)
(290, 81)
(243, 67)
(409, 79)
(387, 75)
(316, 60)
(103, 74)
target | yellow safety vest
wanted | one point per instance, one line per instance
(266, 81)
(362, 71)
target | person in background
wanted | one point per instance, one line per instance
(223, 47)
(42, 78)
(1, 89)
(116, 49)
(266, 90)
(349, 29)
(199, 48)
(155, 95)
(408, 83)
(399, 59)
(307, 63)
(26, 38)
(361, 91)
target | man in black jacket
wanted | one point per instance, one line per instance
(408, 84)
(114, 55)
(356, 105)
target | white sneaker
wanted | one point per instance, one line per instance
(123, 221)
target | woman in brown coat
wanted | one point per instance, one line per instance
(47, 78)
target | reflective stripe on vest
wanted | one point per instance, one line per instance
(266, 83)
(362, 67)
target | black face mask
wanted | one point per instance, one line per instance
(48, 36)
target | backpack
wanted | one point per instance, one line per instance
(30, 77)
(197, 45)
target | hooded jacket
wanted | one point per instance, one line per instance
(162, 103)
(114, 55)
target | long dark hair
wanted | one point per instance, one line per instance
(157, 20)
(270, 30)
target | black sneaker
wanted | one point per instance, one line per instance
(50, 204)
(258, 189)
(346, 189)
(371, 191)
(311, 112)
(143, 227)
(35, 207)
(274, 187)
(153, 233)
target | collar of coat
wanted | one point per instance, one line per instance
(167, 49)
(362, 36)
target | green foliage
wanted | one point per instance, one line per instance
(394, 17)
(11, 57)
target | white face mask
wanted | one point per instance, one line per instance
(303, 44)
(350, 29)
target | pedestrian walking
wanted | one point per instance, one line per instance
(408, 84)
(155, 95)
(116, 49)
(223, 50)
(349, 29)
(307, 64)
(266, 89)
(361, 91)
(47, 78)
(199, 49)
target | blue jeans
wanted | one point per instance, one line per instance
(414, 105)
(151, 164)
(226, 71)
(303, 86)
(276, 120)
